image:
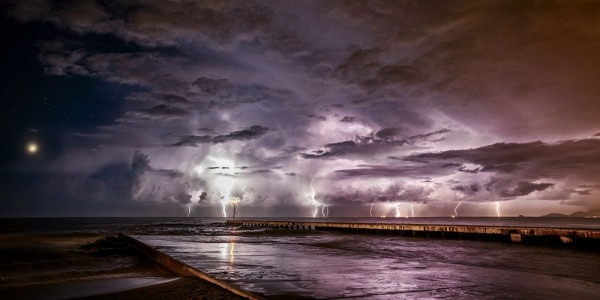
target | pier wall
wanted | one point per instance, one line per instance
(180, 268)
(528, 235)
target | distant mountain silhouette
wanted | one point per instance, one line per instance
(592, 213)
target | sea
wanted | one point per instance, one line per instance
(279, 263)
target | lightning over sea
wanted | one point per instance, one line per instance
(339, 149)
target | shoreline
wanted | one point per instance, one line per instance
(83, 265)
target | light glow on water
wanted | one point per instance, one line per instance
(328, 265)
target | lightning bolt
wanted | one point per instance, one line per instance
(397, 211)
(224, 183)
(234, 201)
(412, 211)
(189, 210)
(455, 209)
(371, 210)
(498, 208)
(313, 201)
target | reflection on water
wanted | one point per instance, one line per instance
(231, 256)
(280, 262)
(226, 251)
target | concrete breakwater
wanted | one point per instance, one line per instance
(182, 269)
(529, 235)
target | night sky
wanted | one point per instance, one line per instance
(299, 108)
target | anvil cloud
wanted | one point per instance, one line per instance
(388, 102)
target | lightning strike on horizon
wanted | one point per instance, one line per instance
(234, 202)
(498, 208)
(371, 210)
(397, 211)
(224, 183)
(189, 210)
(412, 211)
(455, 209)
(313, 201)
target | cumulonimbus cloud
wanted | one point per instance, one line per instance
(439, 108)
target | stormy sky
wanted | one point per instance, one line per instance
(296, 108)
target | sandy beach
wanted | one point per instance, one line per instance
(180, 288)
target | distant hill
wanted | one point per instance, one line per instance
(579, 214)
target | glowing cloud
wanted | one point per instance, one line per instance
(224, 181)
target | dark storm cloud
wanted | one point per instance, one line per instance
(114, 186)
(363, 68)
(464, 169)
(206, 94)
(585, 189)
(348, 119)
(338, 85)
(161, 110)
(140, 164)
(535, 159)
(143, 177)
(457, 61)
(392, 74)
(148, 70)
(413, 171)
(220, 87)
(470, 190)
(425, 136)
(358, 60)
(396, 192)
(249, 133)
(154, 23)
(514, 166)
(149, 184)
(525, 188)
(316, 117)
(172, 98)
(381, 141)
(510, 188)
(388, 133)
(202, 197)
(260, 172)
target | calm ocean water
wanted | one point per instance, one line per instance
(281, 263)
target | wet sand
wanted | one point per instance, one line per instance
(55, 266)
(80, 288)
(180, 288)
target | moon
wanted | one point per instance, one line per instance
(32, 148)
